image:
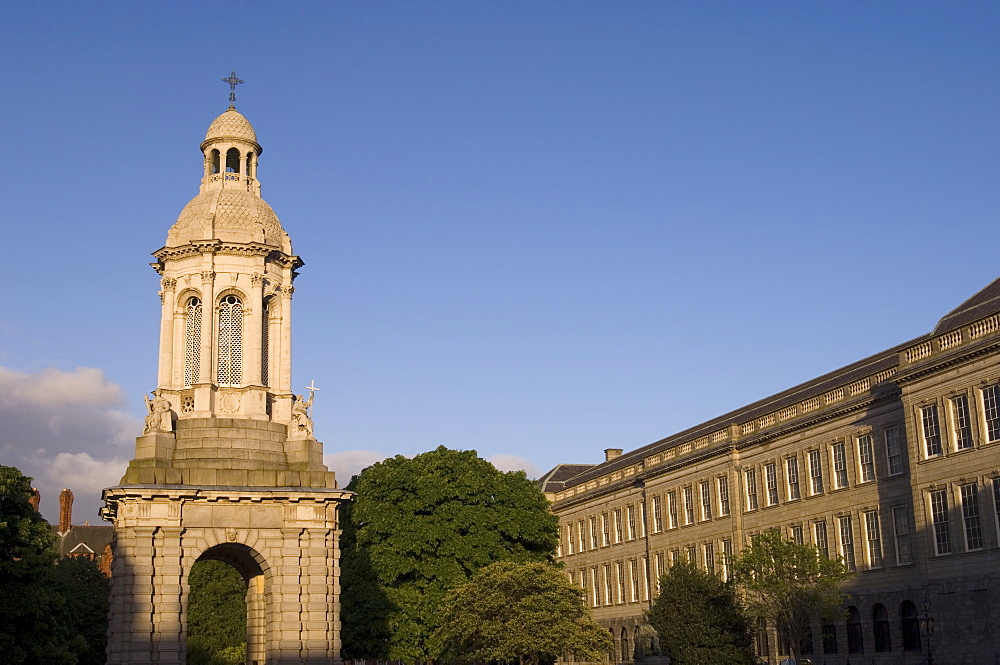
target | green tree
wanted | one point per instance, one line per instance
(788, 584)
(217, 614)
(524, 612)
(422, 526)
(34, 623)
(699, 619)
(84, 590)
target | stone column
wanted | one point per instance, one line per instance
(168, 624)
(317, 635)
(168, 305)
(288, 598)
(256, 619)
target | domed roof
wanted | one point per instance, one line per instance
(231, 125)
(229, 214)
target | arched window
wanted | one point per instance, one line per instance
(192, 341)
(880, 624)
(625, 649)
(265, 342)
(763, 648)
(910, 626)
(230, 341)
(611, 654)
(232, 161)
(215, 161)
(855, 638)
(249, 168)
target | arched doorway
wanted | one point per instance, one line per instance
(252, 569)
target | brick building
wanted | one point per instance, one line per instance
(892, 463)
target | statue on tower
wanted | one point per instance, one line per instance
(158, 414)
(302, 423)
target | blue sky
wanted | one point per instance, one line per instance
(535, 229)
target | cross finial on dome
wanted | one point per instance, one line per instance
(233, 82)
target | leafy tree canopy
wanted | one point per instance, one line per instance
(788, 584)
(422, 526)
(524, 612)
(37, 624)
(699, 619)
(217, 614)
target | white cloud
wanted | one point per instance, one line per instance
(66, 429)
(506, 462)
(349, 463)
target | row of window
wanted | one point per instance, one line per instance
(233, 161)
(838, 538)
(909, 637)
(229, 365)
(696, 503)
(960, 428)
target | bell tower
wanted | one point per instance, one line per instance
(227, 466)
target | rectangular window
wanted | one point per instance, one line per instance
(688, 505)
(593, 533)
(797, 536)
(706, 500)
(874, 537)
(963, 426)
(657, 514)
(693, 555)
(819, 536)
(996, 501)
(609, 586)
(595, 579)
(751, 478)
(939, 517)
(894, 451)
(991, 412)
(771, 479)
(581, 532)
(620, 567)
(630, 514)
(672, 508)
(970, 517)
(605, 532)
(866, 458)
(839, 465)
(645, 576)
(642, 520)
(847, 542)
(931, 429)
(792, 475)
(723, 495)
(815, 472)
(829, 638)
(569, 539)
(633, 567)
(658, 569)
(727, 559)
(710, 558)
(618, 525)
(901, 529)
(675, 556)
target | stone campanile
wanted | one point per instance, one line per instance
(227, 467)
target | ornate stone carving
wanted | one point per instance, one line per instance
(256, 279)
(207, 275)
(159, 418)
(231, 534)
(302, 425)
(229, 403)
(168, 283)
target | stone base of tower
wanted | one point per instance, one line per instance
(239, 452)
(284, 541)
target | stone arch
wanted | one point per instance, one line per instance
(256, 573)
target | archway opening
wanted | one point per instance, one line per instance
(225, 613)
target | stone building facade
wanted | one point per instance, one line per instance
(892, 463)
(227, 467)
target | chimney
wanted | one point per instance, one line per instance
(65, 510)
(36, 498)
(612, 453)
